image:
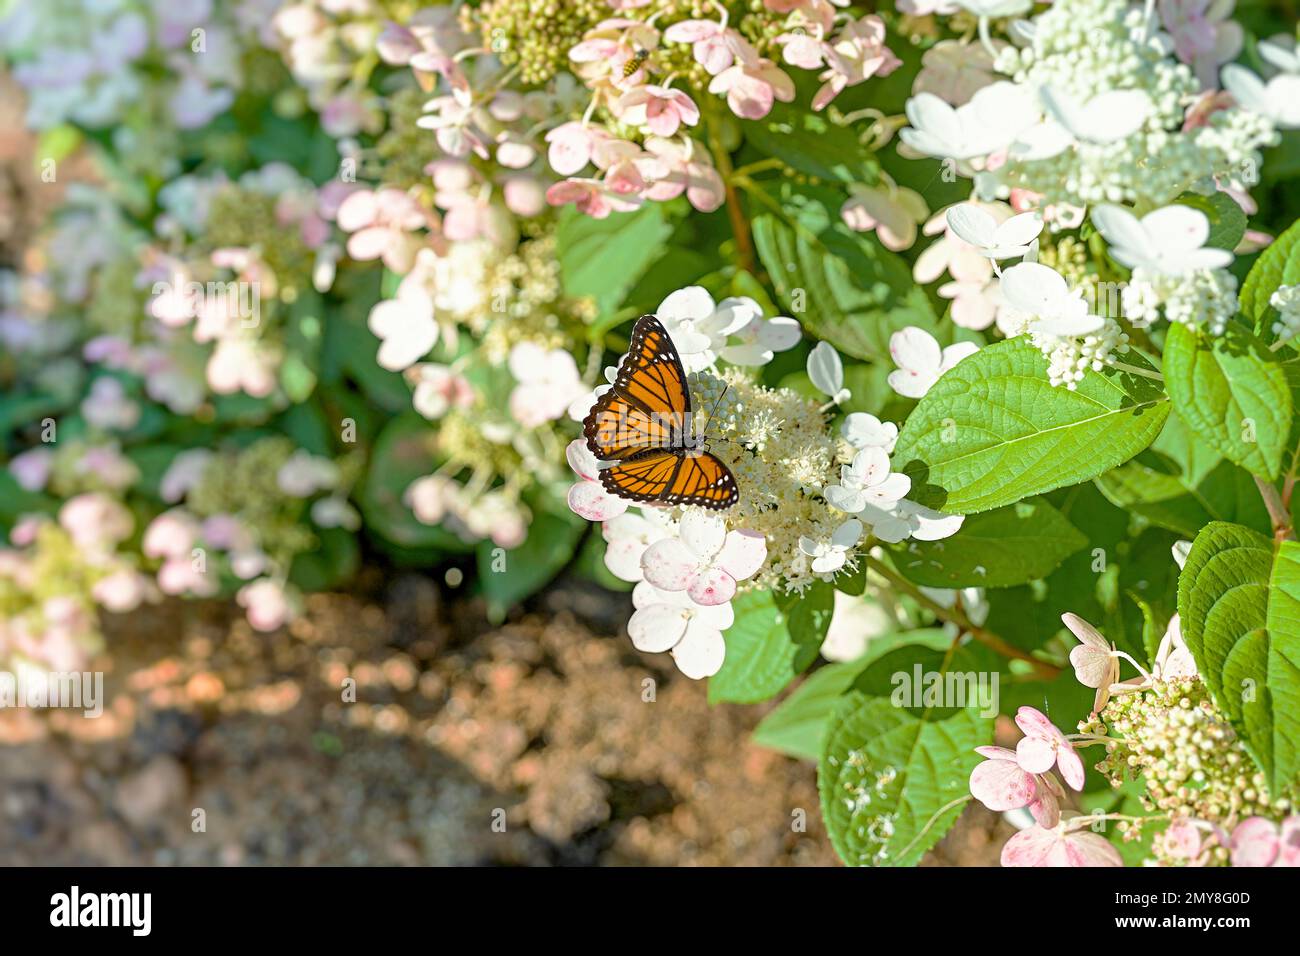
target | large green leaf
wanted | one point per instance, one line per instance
(798, 726)
(844, 286)
(604, 258)
(774, 640)
(1240, 616)
(1182, 484)
(994, 549)
(1277, 265)
(994, 430)
(1232, 392)
(1283, 624)
(891, 783)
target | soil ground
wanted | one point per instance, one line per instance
(532, 743)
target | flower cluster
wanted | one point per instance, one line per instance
(810, 499)
(616, 105)
(238, 518)
(99, 65)
(56, 574)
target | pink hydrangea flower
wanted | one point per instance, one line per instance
(382, 222)
(1043, 745)
(95, 521)
(266, 604)
(752, 84)
(572, 146)
(705, 560)
(658, 109)
(591, 197)
(710, 44)
(548, 383)
(587, 497)
(1204, 34)
(1001, 784)
(894, 214)
(1259, 842)
(439, 389)
(1066, 844)
(857, 53)
(32, 468)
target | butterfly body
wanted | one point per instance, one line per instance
(644, 424)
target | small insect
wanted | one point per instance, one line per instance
(638, 59)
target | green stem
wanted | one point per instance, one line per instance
(956, 616)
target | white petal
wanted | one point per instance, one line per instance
(1177, 228)
(972, 224)
(701, 652)
(669, 564)
(658, 628)
(915, 350)
(742, 554)
(581, 460)
(1020, 230)
(779, 333)
(703, 533)
(955, 353)
(1033, 288)
(692, 303)
(847, 534)
(825, 369)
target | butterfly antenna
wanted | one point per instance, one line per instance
(714, 409)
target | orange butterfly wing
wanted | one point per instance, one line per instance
(641, 422)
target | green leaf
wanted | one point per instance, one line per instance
(993, 430)
(604, 258)
(811, 143)
(1232, 392)
(1240, 616)
(773, 641)
(844, 287)
(1277, 265)
(1227, 220)
(1182, 484)
(1283, 624)
(995, 549)
(798, 725)
(509, 577)
(892, 783)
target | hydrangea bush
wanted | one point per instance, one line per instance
(990, 308)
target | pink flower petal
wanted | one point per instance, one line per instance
(1035, 754)
(1070, 765)
(1001, 785)
(1254, 842)
(588, 499)
(711, 587)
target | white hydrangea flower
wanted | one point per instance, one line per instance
(867, 480)
(1286, 300)
(830, 555)
(1170, 240)
(921, 361)
(862, 430)
(701, 329)
(671, 621)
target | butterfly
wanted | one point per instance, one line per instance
(644, 425)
